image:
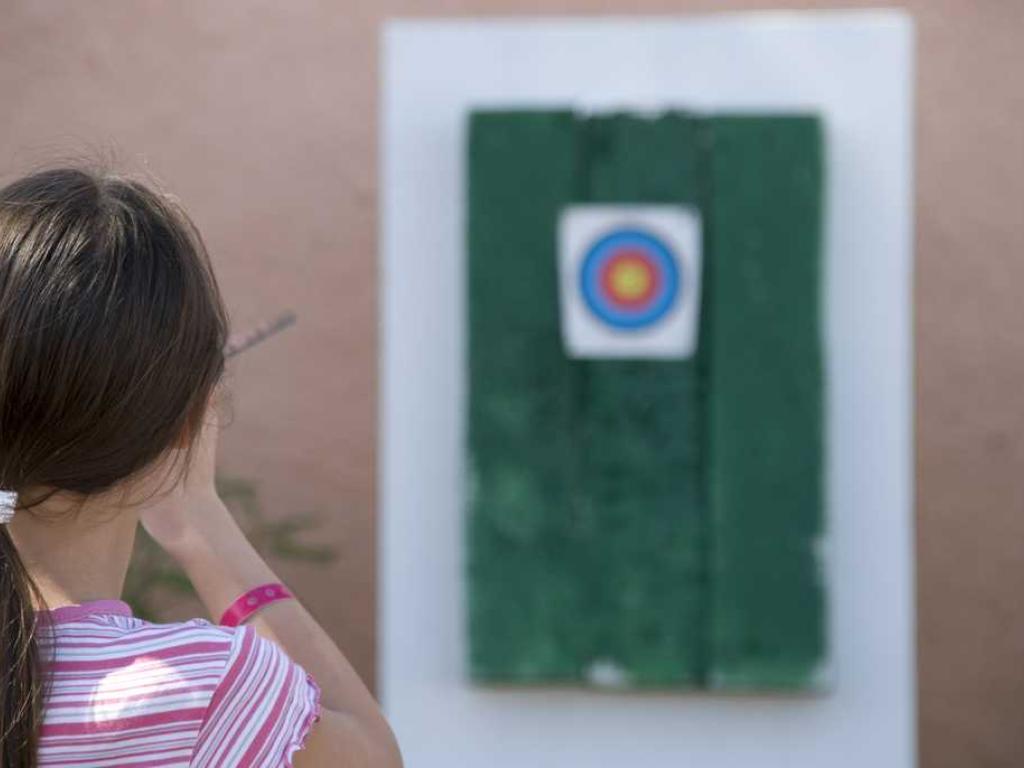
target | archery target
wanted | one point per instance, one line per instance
(629, 280)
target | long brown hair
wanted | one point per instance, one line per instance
(112, 331)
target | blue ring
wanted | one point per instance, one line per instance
(590, 279)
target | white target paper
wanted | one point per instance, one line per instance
(629, 280)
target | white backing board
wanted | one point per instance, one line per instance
(856, 69)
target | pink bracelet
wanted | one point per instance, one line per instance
(252, 601)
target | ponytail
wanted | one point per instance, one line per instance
(21, 678)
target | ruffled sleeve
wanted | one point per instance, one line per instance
(262, 709)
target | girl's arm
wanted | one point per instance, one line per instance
(195, 527)
(222, 564)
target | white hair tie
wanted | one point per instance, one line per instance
(8, 503)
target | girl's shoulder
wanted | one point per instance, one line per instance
(105, 633)
(234, 695)
(262, 694)
(178, 663)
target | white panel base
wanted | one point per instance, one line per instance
(855, 68)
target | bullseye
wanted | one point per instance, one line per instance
(629, 279)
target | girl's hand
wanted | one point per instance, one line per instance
(176, 514)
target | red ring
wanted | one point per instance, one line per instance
(639, 256)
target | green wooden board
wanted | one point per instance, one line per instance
(617, 529)
(765, 403)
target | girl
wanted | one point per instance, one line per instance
(112, 336)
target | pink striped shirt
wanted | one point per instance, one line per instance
(124, 691)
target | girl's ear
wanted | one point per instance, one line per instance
(213, 401)
(182, 441)
(185, 435)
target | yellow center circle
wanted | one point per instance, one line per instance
(630, 279)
